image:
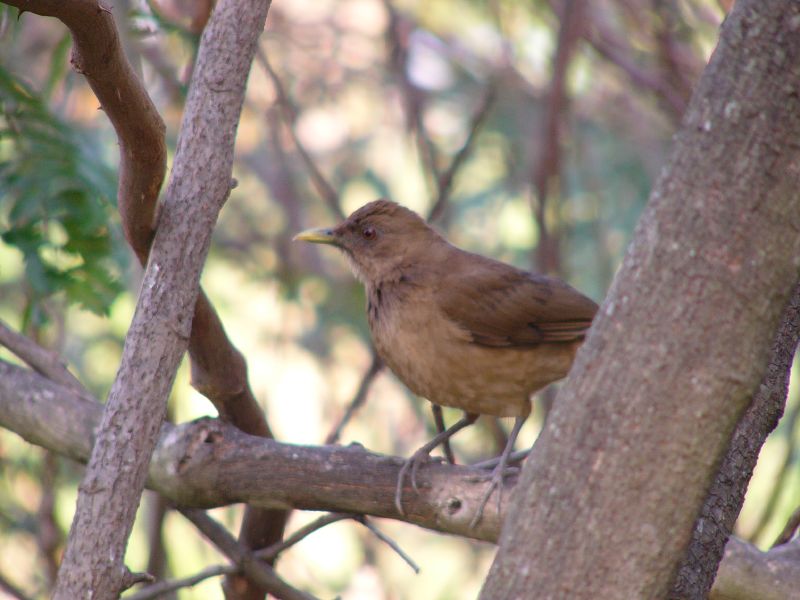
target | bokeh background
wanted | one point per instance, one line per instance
(535, 128)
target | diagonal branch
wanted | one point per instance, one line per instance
(444, 183)
(397, 37)
(162, 588)
(218, 370)
(359, 399)
(289, 113)
(619, 53)
(255, 569)
(726, 496)
(40, 359)
(161, 327)
(97, 54)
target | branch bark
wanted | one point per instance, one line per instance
(218, 369)
(161, 327)
(98, 55)
(725, 499)
(681, 343)
(209, 463)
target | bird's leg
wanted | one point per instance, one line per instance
(496, 482)
(422, 454)
(438, 418)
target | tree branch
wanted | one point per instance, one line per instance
(209, 463)
(42, 360)
(161, 327)
(289, 113)
(746, 573)
(256, 570)
(444, 182)
(681, 343)
(617, 52)
(218, 369)
(98, 55)
(359, 399)
(726, 496)
(413, 98)
(162, 588)
(268, 554)
(789, 530)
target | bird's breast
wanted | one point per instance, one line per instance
(436, 359)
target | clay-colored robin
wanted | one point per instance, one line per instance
(457, 328)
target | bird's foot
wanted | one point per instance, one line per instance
(499, 472)
(514, 459)
(420, 456)
(423, 454)
(495, 483)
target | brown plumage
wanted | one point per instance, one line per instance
(457, 328)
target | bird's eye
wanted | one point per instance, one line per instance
(369, 233)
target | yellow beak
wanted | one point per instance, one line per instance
(316, 236)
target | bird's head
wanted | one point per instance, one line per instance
(379, 239)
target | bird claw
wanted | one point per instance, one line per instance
(479, 477)
(496, 483)
(413, 463)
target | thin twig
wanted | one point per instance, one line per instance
(49, 537)
(358, 400)
(11, 589)
(397, 41)
(43, 361)
(389, 542)
(165, 587)
(513, 458)
(620, 54)
(445, 182)
(289, 114)
(270, 553)
(789, 529)
(674, 63)
(256, 570)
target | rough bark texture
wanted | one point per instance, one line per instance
(218, 369)
(725, 499)
(159, 334)
(209, 463)
(606, 505)
(97, 54)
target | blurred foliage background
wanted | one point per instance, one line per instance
(536, 129)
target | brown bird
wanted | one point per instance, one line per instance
(457, 328)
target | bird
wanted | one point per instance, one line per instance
(460, 329)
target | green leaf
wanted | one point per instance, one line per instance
(57, 205)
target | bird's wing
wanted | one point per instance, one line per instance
(500, 305)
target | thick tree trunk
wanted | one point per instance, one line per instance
(606, 504)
